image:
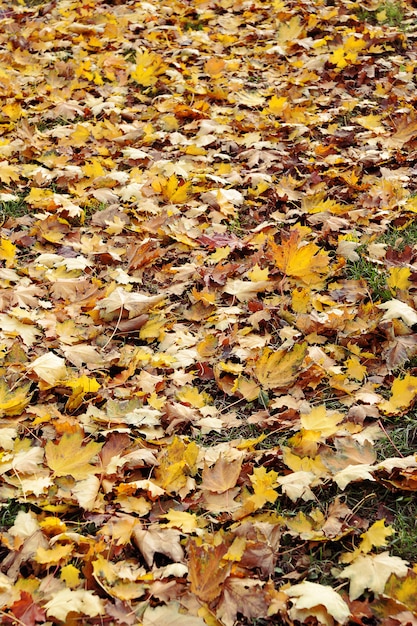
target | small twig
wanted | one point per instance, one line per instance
(389, 439)
(115, 328)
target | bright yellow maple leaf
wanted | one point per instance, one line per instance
(8, 172)
(69, 457)
(263, 483)
(172, 189)
(7, 252)
(148, 67)
(399, 278)
(54, 555)
(322, 420)
(70, 575)
(303, 261)
(404, 391)
(187, 522)
(191, 395)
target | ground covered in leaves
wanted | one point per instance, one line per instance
(208, 312)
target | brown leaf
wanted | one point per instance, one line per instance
(222, 476)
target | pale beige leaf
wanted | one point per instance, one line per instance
(371, 571)
(309, 595)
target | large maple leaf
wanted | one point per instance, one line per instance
(70, 458)
(305, 261)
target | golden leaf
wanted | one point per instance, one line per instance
(148, 67)
(70, 458)
(12, 402)
(304, 261)
(279, 369)
(404, 391)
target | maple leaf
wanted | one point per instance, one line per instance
(318, 601)
(404, 391)
(49, 367)
(222, 476)
(396, 309)
(275, 370)
(371, 571)
(300, 260)
(170, 615)
(206, 572)
(77, 601)
(149, 66)
(153, 540)
(133, 302)
(70, 457)
(172, 190)
(12, 402)
(27, 611)
(245, 596)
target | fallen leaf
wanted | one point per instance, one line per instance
(70, 457)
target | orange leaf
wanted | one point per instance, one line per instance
(214, 67)
(206, 572)
(304, 261)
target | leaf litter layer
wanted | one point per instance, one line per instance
(208, 312)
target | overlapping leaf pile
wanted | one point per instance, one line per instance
(193, 180)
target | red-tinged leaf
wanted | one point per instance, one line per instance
(26, 611)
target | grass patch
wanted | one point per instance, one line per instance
(9, 511)
(374, 274)
(399, 238)
(389, 13)
(13, 208)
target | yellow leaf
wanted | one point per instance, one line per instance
(12, 402)
(55, 555)
(370, 122)
(177, 462)
(70, 575)
(148, 67)
(80, 135)
(83, 384)
(376, 536)
(256, 274)
(191, 395)
(277, 105)
(53, 525)
(70, 458)
(404, 391)
(399, 278)
(236, 550)
(304, 261)
(275, 370)
(14, 111)
(7, 252)
(187, 522)
(290, 31)
(173, 191)
(93, 169)
(153, 329)
(8, 173)
(263, 483)
(322, 420)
